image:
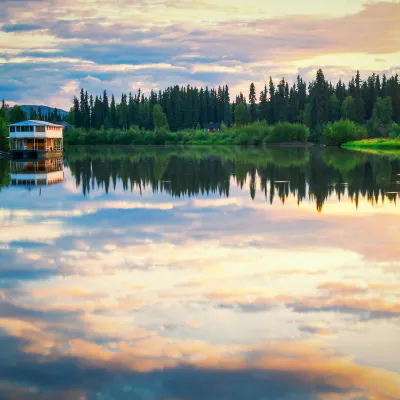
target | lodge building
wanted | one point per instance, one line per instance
(35, 139)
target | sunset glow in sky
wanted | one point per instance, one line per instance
(49, 49)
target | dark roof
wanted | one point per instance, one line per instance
(212, 125)
(64, 124)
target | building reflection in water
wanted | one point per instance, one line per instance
(37, 172)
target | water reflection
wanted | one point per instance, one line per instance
(36, 172)
(305, 174)
(203, 274)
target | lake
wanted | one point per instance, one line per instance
(200, 273)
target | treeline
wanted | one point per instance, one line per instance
(374, 102)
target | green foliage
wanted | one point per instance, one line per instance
(287, 132)
(252, 102)
(253, 134)
(339, 132)
(319, 99)
(15, 114)
(394, 131)
(4, 145)
(349, 108)
(334, 108)
(159, 118)
(382, 112)
(242, 115)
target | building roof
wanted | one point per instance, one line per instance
(32, 122)
(212, 125)
(64, 124)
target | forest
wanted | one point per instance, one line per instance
(318, 111)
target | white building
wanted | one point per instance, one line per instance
(37, 137)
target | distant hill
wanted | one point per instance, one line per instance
(44, 109)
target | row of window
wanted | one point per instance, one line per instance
(21, 129)
(31, 128)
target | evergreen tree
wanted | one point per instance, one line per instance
(242, 115)
(77, 113)
(91, 105)
(252, 102)
(106, 108)
(334, 108)
(293, 105)
(383, 87)
(349, 109)
(113, 113)
(123, 112)
(358, 100)
(86, 112)
(264, 104)
(319, 100)
(271, 111)
(340, 92)
(195, 107)
(301, 93)
(281, 102)
(227, 107)
(83, 117)
(15, 114)
(203, 119)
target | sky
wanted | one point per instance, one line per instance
(49, 49)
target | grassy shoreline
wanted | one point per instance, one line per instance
(384, 144)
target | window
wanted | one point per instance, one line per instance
(40, 129)
(12, 128)
(18, 129)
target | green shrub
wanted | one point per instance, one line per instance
(253, 134)
(394, 132)
(339, 132)
(287, 132)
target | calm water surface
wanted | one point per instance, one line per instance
(204, 274)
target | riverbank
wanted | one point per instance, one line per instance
(377, 144)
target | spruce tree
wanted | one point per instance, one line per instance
(264, 104)
(320, 101)
(113, 113)
(77, 113)
(359, 102)
(252, 102)
(271, 104)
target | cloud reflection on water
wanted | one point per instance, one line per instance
(157, 297)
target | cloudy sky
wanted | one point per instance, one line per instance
(51, 48)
